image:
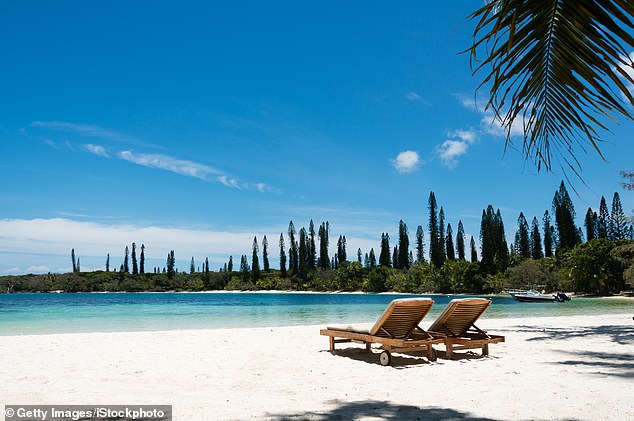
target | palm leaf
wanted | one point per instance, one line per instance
(560, 66)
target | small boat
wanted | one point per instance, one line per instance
(536, 297)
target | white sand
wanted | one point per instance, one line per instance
(578, 368)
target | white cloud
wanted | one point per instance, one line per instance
(450, 150)
(406, 162)
(467, 136)
(97, 150)
(456, 146)
(168, 163)
(13, 271)
(57, 236)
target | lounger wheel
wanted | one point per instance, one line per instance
(385, 358)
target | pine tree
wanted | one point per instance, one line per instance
(126, 261)
(135, 264)
(395, 258)
(293, 251)
(436, 255)
(142, 260)
(565, 219)
(255, 262)
(420, 244)
(536, 240)
(359, 255)
(282, 257)
(494, 249)
(618, 219)
(304, 249)
(384, 256)
(441, 234)
(474, 251)
(244, 268)
(72, 256)
(230, 264)
(603, 221)
(522, 244)
(192, 266)
(372, 259)
(341, 250)
(171, 263)
(590, 223)
(312, 250)
(265, 254)
(460, 241)
(451, 254)
(78, 266)
(324, 260)
(403, 246)
(548, 237)
(108, 263)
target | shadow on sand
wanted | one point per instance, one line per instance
(400, 360)
(378, 410)
(605, 364)
(620, 334)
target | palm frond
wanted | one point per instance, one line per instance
(561, 67)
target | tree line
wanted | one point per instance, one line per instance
(545, 254)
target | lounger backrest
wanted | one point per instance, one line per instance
(401, 317)
(459, 316)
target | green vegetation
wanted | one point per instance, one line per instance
(602, 265)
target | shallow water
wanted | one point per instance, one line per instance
(112, 312)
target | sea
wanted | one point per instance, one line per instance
(47, 313)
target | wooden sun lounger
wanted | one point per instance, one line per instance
(456, 326)
(396, 330)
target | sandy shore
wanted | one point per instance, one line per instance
(579, 368)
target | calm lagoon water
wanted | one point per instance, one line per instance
(110, 312)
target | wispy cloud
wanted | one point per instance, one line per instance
(406, 162)
(150, 160)
(82, 129)
(416, 97)
(168, 163)
(96, 150)
(455, 146)
(489, 122)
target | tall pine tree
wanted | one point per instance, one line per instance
(451, 253)
(265, 254)
(384, 256)
(460, 241)
(565, 219)
(420, 244)
(548, 235)
(255, 262)
(403, 246)
(536, 240)
(282, 257)
(522, 244)
(324, 260)
(590, 223)
(619, 227)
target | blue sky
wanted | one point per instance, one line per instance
(195, 126)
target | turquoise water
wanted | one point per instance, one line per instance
(112, 312)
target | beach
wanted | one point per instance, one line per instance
(567, 367)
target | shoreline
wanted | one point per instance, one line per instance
(573, 366)
(274, 291)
